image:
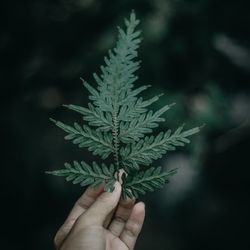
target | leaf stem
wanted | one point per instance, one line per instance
(115, 133)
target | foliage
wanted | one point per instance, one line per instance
(118, 121)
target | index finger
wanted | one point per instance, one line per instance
(81, 205)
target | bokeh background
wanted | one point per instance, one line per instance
(197, 52)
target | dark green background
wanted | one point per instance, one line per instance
(197, 52)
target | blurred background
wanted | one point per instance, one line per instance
(197, 52)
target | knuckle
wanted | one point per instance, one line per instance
(82, 204)
(82, 222)
(120, 220)
(132, 229)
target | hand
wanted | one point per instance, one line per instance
(101, 221)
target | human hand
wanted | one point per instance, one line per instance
(101, 221)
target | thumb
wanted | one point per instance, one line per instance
(102, 207)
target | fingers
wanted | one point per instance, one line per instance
(133, 226)
(108, 219)
(121, 216)
(82, 204)
(102, 207)
(118, 176)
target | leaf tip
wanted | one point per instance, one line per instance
(53, 120)
(202, 126)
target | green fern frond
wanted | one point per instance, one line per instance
(135, 129)
(117, 120)
(145, 181)
(133, 109)
(152, 148)
(117, 76)
(96, 142)
(94, 115)
(86, 175)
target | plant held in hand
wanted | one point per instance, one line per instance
(118, 121)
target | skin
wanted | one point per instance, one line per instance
(101, 221)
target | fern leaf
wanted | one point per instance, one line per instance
(100, 100)
(145, 181)
(151, 148)
(118, 119)
(96, 142)
(94, 116)
(130, 95)
(134, 130)
(135, 108)
(117, 76)
(86, 175)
